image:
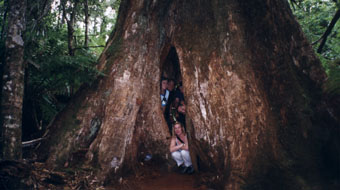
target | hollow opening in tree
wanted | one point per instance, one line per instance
(171, 67)
(173, 101)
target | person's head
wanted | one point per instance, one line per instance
(164, 83)
(174, 105)
(181, 108)
(171, 85)
(177, 100)
(178, 129)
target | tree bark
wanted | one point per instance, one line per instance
(70, 24)
(61, 14)
(4, 21)
(86, 21)
(13, 82)
(251, 82)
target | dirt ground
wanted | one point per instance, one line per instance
(21, 175)
(170, 181)
(158, 176)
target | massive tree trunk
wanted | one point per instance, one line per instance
(13, 82)
(251, 82)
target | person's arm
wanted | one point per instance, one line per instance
(186, 146)
(173, 146)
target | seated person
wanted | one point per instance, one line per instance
(180, 150)
(164, 93)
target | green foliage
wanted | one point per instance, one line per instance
(52, 75)
(314, 17)
(332, 85)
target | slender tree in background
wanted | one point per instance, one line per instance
(255, 113)
(4, 19)
(329, 30)
(319, 22)
(13, 81)
(86, 21)
(69, 14)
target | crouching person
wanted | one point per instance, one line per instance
(180, 150)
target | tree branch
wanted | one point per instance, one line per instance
(88, 47)
(46, 8)
(31, 142)
(328, 30)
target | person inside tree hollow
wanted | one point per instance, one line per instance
(164, 93)
(181, 110)
(180, 150)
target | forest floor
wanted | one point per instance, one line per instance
(164, 181)
(24, 175)
(156, 176)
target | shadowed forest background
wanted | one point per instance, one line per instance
(62, 58)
